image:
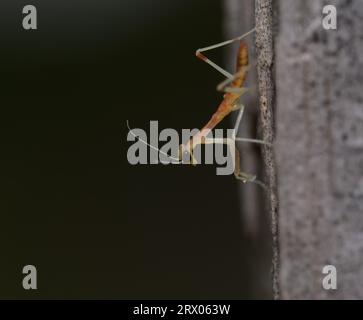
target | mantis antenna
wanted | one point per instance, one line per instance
(175, 160)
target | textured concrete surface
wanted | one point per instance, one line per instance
(266, 89)
(320, 148)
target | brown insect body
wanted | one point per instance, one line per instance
(229, 100)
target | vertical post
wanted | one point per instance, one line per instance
(265, 59)
(319, 148)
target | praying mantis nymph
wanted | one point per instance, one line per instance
(233, 87)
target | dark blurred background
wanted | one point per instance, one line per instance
(94, 225)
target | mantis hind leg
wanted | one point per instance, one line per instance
(239, 175)
(241, 107)
(245, 177)
(201, 56)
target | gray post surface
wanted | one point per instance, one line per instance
(266, 89)
(319, 148)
